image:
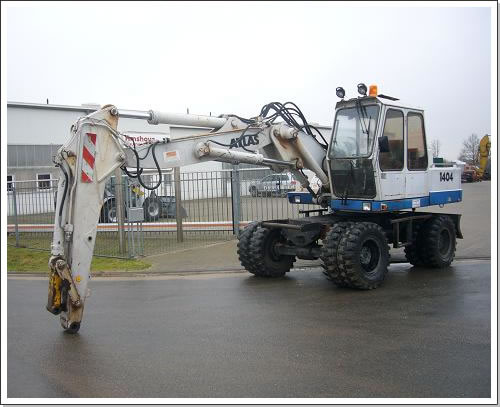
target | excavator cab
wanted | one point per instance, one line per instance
(378, 158)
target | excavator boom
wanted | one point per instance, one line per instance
(484, 155)
(96, 149)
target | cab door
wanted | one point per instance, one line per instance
(391, 158)
(416, 156)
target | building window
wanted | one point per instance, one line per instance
(43, 181)
(10, 184)
(393, 130)
(417, 150)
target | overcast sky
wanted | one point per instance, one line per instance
(235, 57)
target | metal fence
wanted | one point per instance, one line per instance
(187, 210)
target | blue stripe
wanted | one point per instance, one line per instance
(304, 197)
(434, 198)
(376, 206)
(444, 197)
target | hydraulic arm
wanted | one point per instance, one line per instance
(96, 149)
(484, 154)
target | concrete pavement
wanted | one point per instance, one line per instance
(424, 333)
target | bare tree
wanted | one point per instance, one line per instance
(435, 147)
(469, 152)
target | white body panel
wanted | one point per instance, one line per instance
(392, 185)
(416, 183)
(444, 179)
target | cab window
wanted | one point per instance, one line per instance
(394, 131)
(417, 150)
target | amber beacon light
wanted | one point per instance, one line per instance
(373, 90)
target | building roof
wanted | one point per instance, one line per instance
(83, 108)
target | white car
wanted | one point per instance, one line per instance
(274, 185)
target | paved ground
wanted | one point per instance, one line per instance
(423, 334)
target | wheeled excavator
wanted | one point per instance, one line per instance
(375, 170)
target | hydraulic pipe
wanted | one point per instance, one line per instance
(226, 155)
(180, 119)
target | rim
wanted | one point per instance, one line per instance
(112, 215)
(444, 244)
(273, 253)
(153, 208)
(369, 256)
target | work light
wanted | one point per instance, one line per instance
(362, 89)
(340, 92)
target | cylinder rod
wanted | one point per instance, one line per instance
(134, 114)
(180, 119)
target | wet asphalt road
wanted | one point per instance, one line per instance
(423, 334)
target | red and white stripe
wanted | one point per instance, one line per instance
(88, 153)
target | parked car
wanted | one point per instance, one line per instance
(274, 185)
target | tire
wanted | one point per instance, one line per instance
(108, 213)
(363, 255)
(413, 252)
(152, 209)
(253, 190)
(262, 256)
(329, 253)
(244, 246)
(439, 241)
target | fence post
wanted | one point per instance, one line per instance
(178, 207)
(127, 204)
(236, 199)
(120, 209)
(16, 222)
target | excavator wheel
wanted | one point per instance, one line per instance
(263, 257)
(438, 241)
(244, 246)
(329, 254)
(413, 252)
(363, 255)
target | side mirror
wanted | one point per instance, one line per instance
(383, 144)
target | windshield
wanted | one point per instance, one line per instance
(354, 131)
